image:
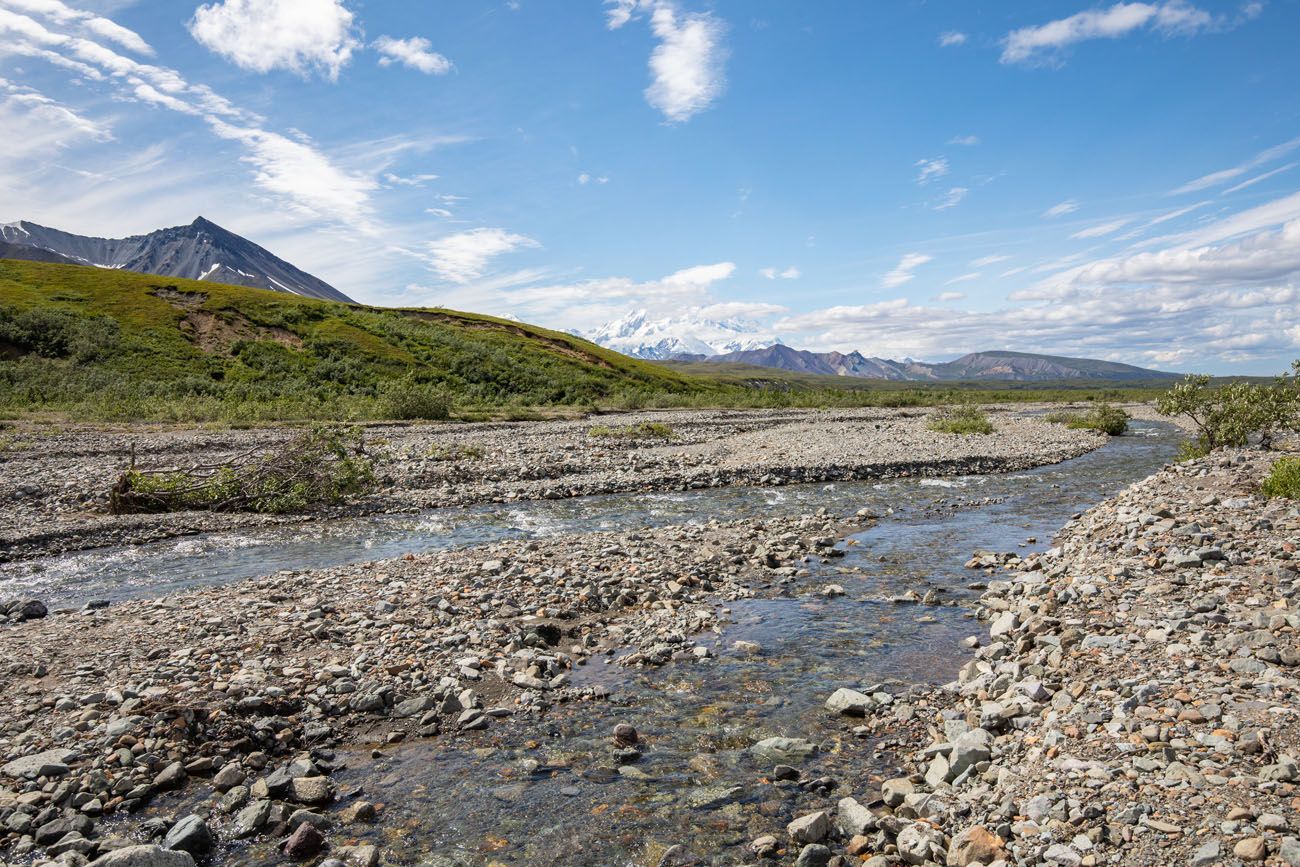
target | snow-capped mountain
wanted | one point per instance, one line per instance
(200, 251)
(638, 335)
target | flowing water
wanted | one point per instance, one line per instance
(550, 791)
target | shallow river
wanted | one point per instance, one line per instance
(548, 792)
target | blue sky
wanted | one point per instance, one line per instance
(924, 179)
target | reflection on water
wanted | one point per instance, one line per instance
(550, 792)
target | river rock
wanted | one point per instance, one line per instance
(849, 702)
(143, 856)
(190, 834)
(811, 828)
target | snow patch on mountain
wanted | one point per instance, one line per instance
(640, 336)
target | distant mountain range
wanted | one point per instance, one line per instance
(995, 364)
(200, 251)
(740, 342)
(662, 339)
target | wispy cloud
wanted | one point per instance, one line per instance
(984, 261)
(1101, 230)
(1169, 18)
(947, 297)
(903, 270)
(586, 178)
(1250, 182)
(772, 273)
(931, 169)
(964, 140)
(951, 199)
(1069, 206)
(463, 256)
(949, 38)
(963, 278)
(416, 53)
(1213, 179)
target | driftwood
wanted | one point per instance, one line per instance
(322, 466)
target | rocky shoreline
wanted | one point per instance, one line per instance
(54, 480)
(1134, 701)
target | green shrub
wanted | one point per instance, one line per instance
(320, 467)
(961, 420)
(418, 402)
(455, 452)
(1236, 413)
(646, 430)
(1283, 479)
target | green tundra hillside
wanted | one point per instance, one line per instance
(115, 344)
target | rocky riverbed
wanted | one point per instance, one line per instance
(1134, 699)
(54, 480)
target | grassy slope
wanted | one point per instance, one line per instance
(142, 346)
(285, 355)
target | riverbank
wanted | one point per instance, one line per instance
(1134, 700)
(54, 481)
(243, 692)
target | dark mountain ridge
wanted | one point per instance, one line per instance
(200, 251)
(1002, 365)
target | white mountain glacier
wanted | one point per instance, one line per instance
(638, 335)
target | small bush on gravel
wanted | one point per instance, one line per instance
(1103, 417)
(410, 401)
(961, 420)
(320, 467)
(1236, 413)
(1283, 479)
(646, 430)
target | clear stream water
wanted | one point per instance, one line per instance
(479, 800)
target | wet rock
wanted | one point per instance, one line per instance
(625, 735)
(311, 790)
(849, 702)
(783, 750)
(853, 819)
(251, 819)
(813, 855)
(190, 834)
(811, 828)
(305, 842)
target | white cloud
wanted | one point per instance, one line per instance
(931, 169)
(1222, 177)
(463, 256)
(93, 25)
(586, 178)
(951, 199)
(903, 270)
(1069, 206)
(1101, 230)
(952, 37)
(964, 140)
(701, 276)
(36, 125)
(300, 174)
(984, 261)
(260, 35)
(945, 297)
(687, 66)
(963, 278)
(416, 52)
(772, 273)
(409, 180)
(1174, 17)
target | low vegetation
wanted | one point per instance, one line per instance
(961, 420)
(1283, 479)
(1235, 414)
(1103, 417)
(455, 452)
(320, 467)
(91, 344)
(646, 430)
